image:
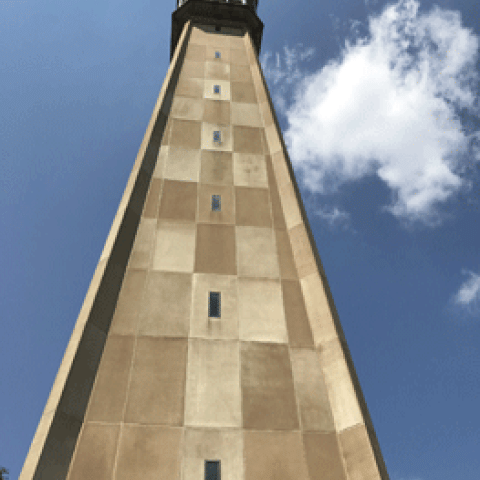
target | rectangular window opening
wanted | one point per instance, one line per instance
(217, 54)
(216, 136)
(214, 305)
(216, 203)
(216, 89)
(212, 469)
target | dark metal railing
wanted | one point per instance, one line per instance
(251, 3)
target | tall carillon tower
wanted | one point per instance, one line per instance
(208, 346)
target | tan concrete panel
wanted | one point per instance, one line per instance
(217, 112)
(225, 143)
(256, 252)
(213, 384)
(165, 310)
(148, 452)
(247, 140)
(182, 164)
(273, 140)
(285, 256)
(157, 385)
(224, 53)
(312, 395)
(216, 168)
(142, 248)
(109, 393)
(302, 251)
(174, 247)
(215, 249)
(179, 201)
(237, 41)
(274, 456)
(319, 314)
(197, 35)
(95, 452)
(277, 209)
(161, 160)
(195, 53)
(266, 113)
(190, 87)
(250, 170)
(217, 70)
(324, 459)
(343, 399)
(299, 332)
(153, 198)
(252, 207)
(192, 69)
(358, 454)
(224, 94)
(240, 73)
(212, 37)
(186, 134)
(187, 108)
(238, 56)
(225, 445)
(226, 326)
(243, 92)
(246, 114)
(205, 212)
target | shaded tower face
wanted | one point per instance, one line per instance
(208, 346)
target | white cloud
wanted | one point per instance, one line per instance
(389, 106)
(468, 294)
(333, 216)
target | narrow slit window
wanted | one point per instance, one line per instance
(217, 55)
(218, 28)
(216, 89)
(214, 305)
(216, 203)
(216, 136)
(212, 469)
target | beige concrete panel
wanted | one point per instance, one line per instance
(273, 139)
(197, 35)
(217, 70)
(250, 170)
(240, 73)
(237, 41)
(195, 53)
(302, 251)
(187, 108)
(246, 114)
(192, 69)
(285, 256)
(319, 314)
(161, 160)
(243, 92)
(215, 249)
(225, 143)
(252, 207)
(216, 168)
(299, 332)
(167, 133)
(274, 456)
(174, 247)
(343, 399)
(312, 395)
(247, 140)
(266, 113)
(148, 452)
(142, 248)
(217, 112)
(224, 53)
(153, 198)
(324, 459)
(277, 209)
(268, 398)
(183, 164)
(213, 384)
(110, 390)
(358, 454)
(225, 327)
(190, 87)
(165, 309)
(95, 452)
(261, 316)
(225, 445)
(186, 134)
(224, 90)
(212, 37)
(124, 320)
(256, 252)
(290, 206)
(238, 56)
(179, 201)
(157, 385)
(205, 212)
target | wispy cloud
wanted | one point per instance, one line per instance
(468, 295)
(392, 106)
(334, 217)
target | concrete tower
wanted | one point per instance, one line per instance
(208, 345)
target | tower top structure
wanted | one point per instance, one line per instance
(220, 13)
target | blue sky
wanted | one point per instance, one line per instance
(379, 108)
